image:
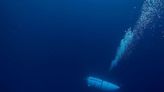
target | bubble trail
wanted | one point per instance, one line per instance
(151, 10)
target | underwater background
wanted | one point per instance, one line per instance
(54, 45)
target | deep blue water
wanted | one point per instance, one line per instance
(53, 45)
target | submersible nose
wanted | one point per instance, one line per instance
(101, 84)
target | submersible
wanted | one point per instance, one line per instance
(101, 84)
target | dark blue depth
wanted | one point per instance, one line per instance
(54, 45)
